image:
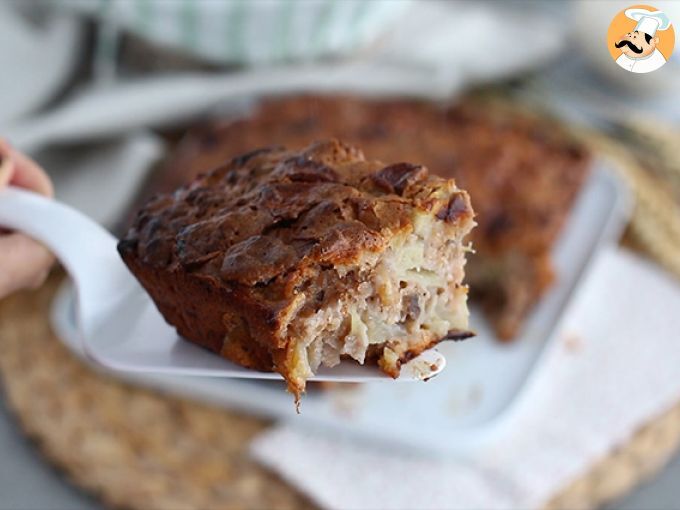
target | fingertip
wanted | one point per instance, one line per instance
(27, 174)
(25, 263)
(40, 279)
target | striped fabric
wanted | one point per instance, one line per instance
(251, 31)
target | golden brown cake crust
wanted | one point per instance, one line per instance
(522, 173)
(229, 253)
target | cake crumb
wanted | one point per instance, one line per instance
(573, 343)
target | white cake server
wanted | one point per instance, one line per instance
(120, 327)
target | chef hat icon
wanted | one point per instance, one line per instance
(649, 21)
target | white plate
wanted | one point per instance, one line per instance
(456, 409)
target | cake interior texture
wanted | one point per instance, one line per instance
(291, 260)
(523, 173)
(397, 303)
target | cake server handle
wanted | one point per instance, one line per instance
(87, 250)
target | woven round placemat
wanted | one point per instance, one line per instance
(131, 447)
(138, 449)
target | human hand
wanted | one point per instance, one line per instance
(24, 263)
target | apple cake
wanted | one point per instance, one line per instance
(286, 261)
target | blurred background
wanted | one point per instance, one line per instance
(102, 93)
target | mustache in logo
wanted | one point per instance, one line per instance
(626, 42)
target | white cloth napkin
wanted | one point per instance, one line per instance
(434, 50)
(614, 366)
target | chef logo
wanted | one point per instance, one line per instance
(641, 39)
